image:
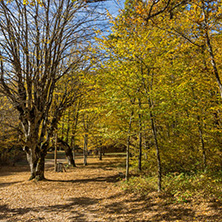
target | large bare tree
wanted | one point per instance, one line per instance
(42, 46)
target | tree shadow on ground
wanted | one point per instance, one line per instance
(160, 211)
(109, 179)
(9, 170)
(73, 203)
(86, 209)
(9, 183)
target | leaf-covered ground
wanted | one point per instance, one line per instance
(90, 193)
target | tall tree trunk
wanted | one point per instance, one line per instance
(140, 152)
(68, 128)
(140, 140)
(55, 152)
(200, 128)
(85, 149)
(154, 130)
(157, 152)
(73, 150)
(36, 160)
(210, 48)
(74, 127)
(100, 153)
(69, 156)
(148, 89)
(32, 160)
(128, 147)
(40, 168)
(68, 152)
(62, 133)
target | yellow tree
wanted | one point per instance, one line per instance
(163, 64)
(131, 71)
(197, 25)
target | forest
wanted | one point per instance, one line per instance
(146, 82)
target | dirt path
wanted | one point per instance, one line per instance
(89, 193)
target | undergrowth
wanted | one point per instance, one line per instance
(183, 187)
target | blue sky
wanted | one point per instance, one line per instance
(113, 6)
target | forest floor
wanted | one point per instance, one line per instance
(91, 193)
